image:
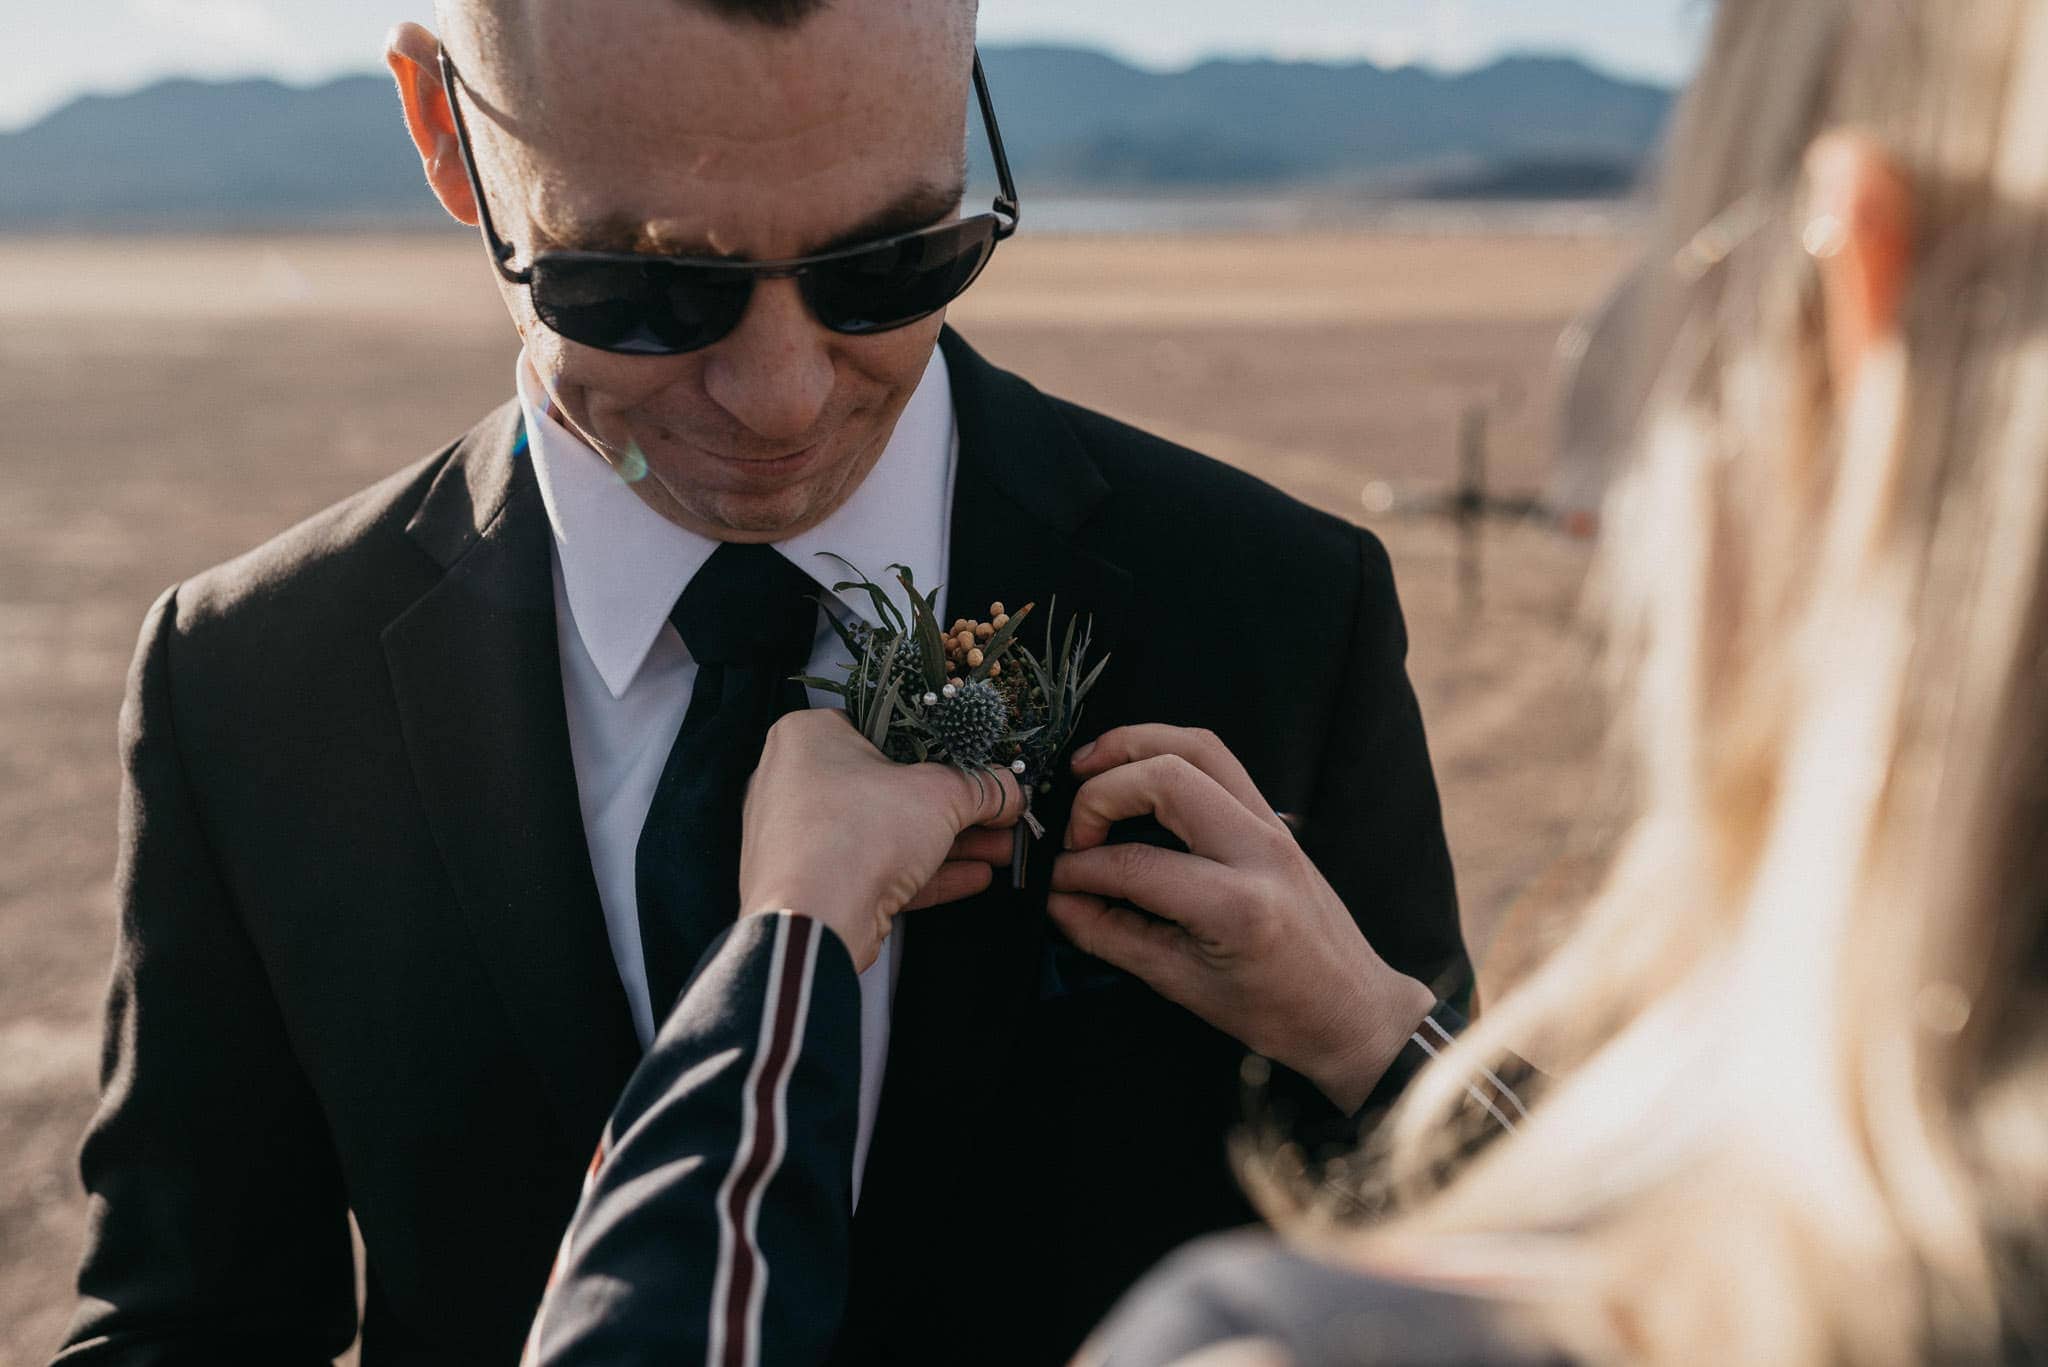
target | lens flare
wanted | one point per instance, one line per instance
(629, 461)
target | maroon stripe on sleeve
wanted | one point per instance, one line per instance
(747, 1261)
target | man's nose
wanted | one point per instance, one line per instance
(774, 373)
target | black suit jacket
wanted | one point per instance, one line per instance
(362, 964)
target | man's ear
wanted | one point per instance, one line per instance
(1861, 234)
(414, 56)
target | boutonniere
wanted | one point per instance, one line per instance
(972, 695)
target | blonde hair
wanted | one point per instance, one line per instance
(1804, 1116)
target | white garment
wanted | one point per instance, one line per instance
(626, 677)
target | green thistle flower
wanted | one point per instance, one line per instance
(971, 721)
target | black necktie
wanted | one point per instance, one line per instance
(749, 619)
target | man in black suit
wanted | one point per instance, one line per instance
(714, 1220)
(401, 903)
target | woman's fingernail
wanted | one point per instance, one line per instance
(1085, 751)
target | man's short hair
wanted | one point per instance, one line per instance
(768, 13)
(783, 14)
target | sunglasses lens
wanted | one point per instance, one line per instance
(655, 308)
(894, 284)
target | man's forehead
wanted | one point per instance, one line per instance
(663, 189)
(655, 125)
(669, 68)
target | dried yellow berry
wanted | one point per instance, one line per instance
(995, 670)
(983, 632)
(995, 609)
(974, 658)
(1002, 620)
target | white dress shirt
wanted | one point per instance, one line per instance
(626, 677)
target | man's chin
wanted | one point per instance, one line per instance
(758, 517)
(763, 512)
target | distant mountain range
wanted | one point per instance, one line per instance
(193, 155)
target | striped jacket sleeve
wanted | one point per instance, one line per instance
(716, 1217)
(1494, 1101)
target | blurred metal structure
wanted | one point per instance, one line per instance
(1593, 368)
(1469, 505)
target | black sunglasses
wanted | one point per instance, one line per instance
(643, 305)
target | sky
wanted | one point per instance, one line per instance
(114, 45)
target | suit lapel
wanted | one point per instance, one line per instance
(478, 679)
(1023, 493)
(1023, 499)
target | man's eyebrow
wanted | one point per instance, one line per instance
(919, 207)
(922, 205)
(621, 233)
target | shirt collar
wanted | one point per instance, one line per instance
(624, 565)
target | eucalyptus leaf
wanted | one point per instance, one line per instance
(1039, 673)
(887, 666)
(874, 721)
(885, 611)
(878, 726)
(932, 651)
(822, 685)
(850, 566)
(1093, 674)
(857, 685)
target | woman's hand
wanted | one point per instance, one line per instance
(840, 833)
(1252, 940)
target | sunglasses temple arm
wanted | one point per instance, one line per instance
(1006, 199)
(501, 250)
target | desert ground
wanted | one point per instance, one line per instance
(166, 403)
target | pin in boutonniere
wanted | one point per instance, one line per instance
(971, 695)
